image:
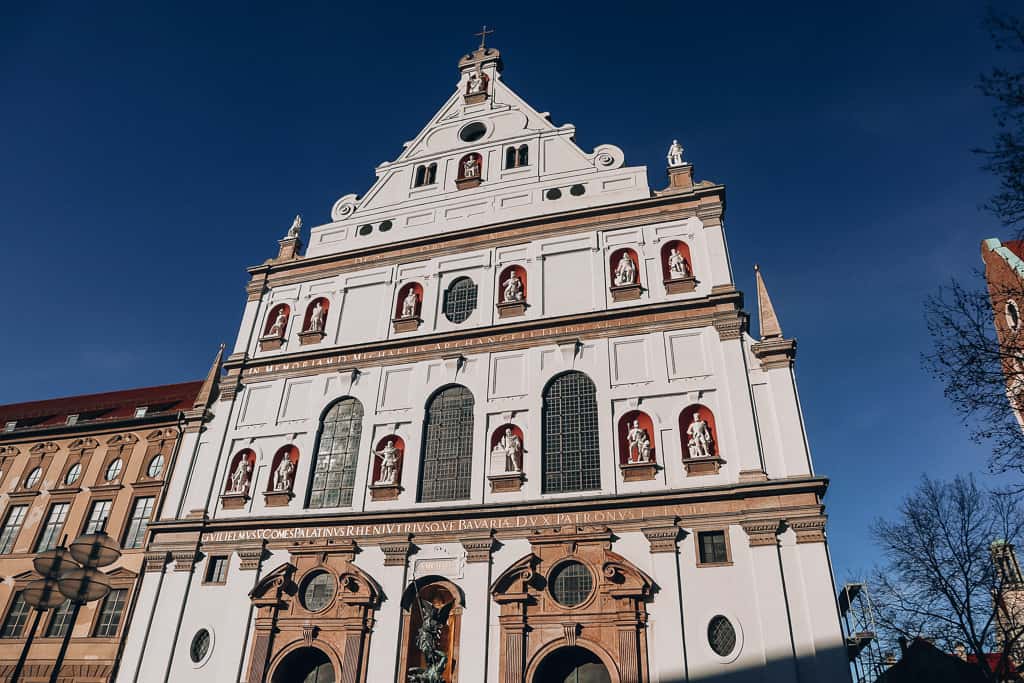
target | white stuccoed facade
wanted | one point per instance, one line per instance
(654, 351)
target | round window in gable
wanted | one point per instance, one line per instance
(318, 591)
(200, 646)
(472, 132)
(577, 190)
(1012, 315)
(571, 583)
(33, 478)
(553, 193)
(721, 636)
(73, 472)
(114, 469)
(365, 229)
(385, 226)
(156, 467)
(460, 300)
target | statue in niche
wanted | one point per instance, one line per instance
(675, 155)
(625, 271)
(277, 329)
(410, 303)
(316, 318)
(471, 167)
(511, 446)
(388, 464)
(428, 639)
(284, 475)
(240, 477)
(638, 443)
(677, 265)
(476, 84)
(512, 290)
(700, 443)
(293, 231)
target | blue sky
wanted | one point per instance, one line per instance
(149, 153)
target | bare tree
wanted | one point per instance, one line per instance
(980, 373)
(940, 580)
(1005, 158)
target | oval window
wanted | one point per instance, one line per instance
(156, 467)
(721, 636)
(318, 591)
(114, 469)
(73, 473)
(460, 300)
(200, 646)
(571, 583)
(385, 226)
(472, 132)
(33, 477)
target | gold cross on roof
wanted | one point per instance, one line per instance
(483, 36)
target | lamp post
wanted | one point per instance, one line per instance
(70, 573)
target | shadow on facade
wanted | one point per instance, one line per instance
(827, 666)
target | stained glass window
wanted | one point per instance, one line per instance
(334, 471)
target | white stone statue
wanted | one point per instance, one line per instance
(639, 443)
(471, 167)
(700, 443)
(240, 477)
(677, 265)
(409, 304)
(625, 271)
(388, 464)
(511, 446)
(476, 84)
(316, 318)
(512, 291)
(277, 329)
(296, 227)
(675, 155)
(284, 475)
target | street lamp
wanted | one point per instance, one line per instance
(70, 573)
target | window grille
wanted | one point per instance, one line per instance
(58, 625)
(334, 469)
(571, 451)
(14, 623)
(54, 525)
(12, 526)
(712, 547)
(110, 613)
(460, 300)
(721, 636)
(448, 446)
(571, 583)
(98, 515)
(141, 512)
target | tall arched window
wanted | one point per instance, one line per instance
(420, 178)
(447, 463)
(337, 452)
(523, 156)
(510, 157)
(571, 450)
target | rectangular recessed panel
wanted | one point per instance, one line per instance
(618, 183)
(361, 313)
(397, 382)
(567, 283)
(516, 200)
(508, 375)
(258, 404)
(295, 405)
(629, 361)
(419, 218)
(686, 357)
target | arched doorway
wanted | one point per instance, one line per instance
(571, 665)
(305, 665)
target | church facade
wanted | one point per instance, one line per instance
(501, 419)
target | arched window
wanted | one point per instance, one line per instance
(446, 467)
(431, 175)
(337, 452)
(510, 157)
(523, 156)
(571, 451)
(420, 177)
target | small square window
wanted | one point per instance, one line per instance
(141, 411)
(217, 569)
(72, 419)
(712, 547)
(10, 426)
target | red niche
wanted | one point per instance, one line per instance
(500, 432)
(686, 418)
(403, 293)
(471, 166)
(505, 274)
(381, 444)
(246, 456)
(680, 248)
(645, 423)
(289, 453)
(613, 264)
(311, 310)
(277, 321)
(481, 88)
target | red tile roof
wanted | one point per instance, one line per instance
(111, 405)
